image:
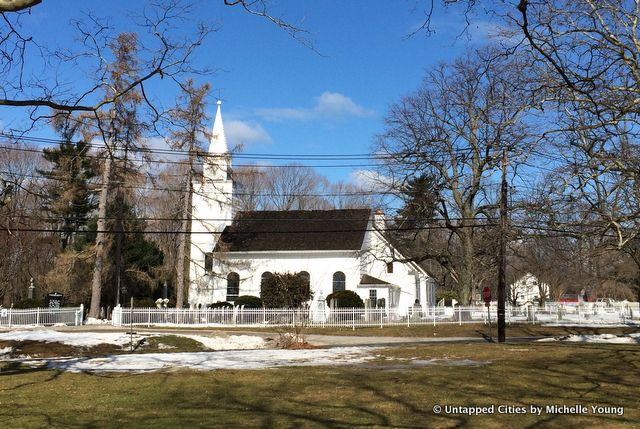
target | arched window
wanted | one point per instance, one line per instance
(306, 277)
(339, 281)
(233, 286)
(265, 276)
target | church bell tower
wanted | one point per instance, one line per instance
(211, 212)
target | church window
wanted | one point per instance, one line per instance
(373, 296)
(208, 262)
(264, 277)
(306, 277)
(339, 281)
(233, 286)
(390, 267)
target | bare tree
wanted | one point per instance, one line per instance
(27, 247)
(188, 121)
(291, 187)
(454, 129)
(31, 70)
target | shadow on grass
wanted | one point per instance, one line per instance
(355, 397)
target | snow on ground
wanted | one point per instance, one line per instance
(77, 339)
(94, 321)
(88, 339)
(207, 361)
(5, 351)
(232, 342)
(602, 338)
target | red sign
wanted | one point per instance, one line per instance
(486, 296)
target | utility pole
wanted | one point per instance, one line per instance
(118, 255)
(502, 267)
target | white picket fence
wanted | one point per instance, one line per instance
(361, 317)
(13, 317)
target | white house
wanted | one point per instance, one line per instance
(334, 249)
(528, 289)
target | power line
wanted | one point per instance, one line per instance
(320, 231)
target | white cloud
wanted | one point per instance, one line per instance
(371, 181)
(157, 143)
(240, 132)
(329, 105)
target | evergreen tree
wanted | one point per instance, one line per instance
(69, 198)
(420, 195)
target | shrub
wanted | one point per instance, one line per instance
(248, 301)
(345, 299)
(285, 290)
(221, 304)
(29, 303)
(448, 296)
(142, 302)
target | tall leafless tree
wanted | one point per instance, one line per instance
(454, 129)
(188, 122)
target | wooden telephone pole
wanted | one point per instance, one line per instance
(502, 268)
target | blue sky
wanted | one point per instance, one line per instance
(278, 95)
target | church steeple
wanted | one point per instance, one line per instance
(218, 143)
(218, 165)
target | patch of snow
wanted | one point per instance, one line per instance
(77, 339)
(208, 361)
(598, 339)
(165, 347)
(593, 324)
(5, 351)
(94, 321)
(88, 339)
(232, 342)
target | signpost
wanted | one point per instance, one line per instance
(486, 297)
(54, 300)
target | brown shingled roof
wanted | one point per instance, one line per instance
(295, 230)
(366, 279)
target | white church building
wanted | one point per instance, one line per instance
(231, 252)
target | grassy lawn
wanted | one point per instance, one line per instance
(391, 392)
(429, 331)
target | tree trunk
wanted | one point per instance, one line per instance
(96, 282)
(467, 269)
(184, 237)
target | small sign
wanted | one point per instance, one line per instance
(54, 300)
(3, 312)
(486, 296)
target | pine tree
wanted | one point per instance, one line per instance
(69, 198)
(124, 132)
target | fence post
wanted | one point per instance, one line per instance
(37, 316)
(10, 314)
(380, 315)
(459, 315)
(353, 318)
(80, 315)
(434, 315)
(149, 318)
(408, 317)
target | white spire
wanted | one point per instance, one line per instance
(218, 143)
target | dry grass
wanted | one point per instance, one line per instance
(379, 395)
(477, 330)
